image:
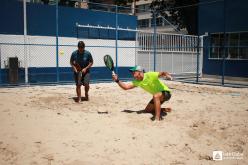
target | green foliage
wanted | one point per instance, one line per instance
(182, 13)
(122, 2)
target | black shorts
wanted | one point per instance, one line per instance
(85, 79)
(166, 95)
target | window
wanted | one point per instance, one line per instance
(236, 46)
(243, 51)
(233, 43)
(214, 52)
(217, 42)
(143, 23)
(143, 8)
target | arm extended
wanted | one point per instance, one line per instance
(123, 85)
(165, 75)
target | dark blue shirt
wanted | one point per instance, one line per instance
(82, 59)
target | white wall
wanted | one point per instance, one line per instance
(41, 50)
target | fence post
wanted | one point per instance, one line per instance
(0, 65)
(198, 54)
(57, 42)
(224, 44)
(154, 40)
(116, 38)
(25, 40)
(136, 45)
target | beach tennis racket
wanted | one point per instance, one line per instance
(109, 63)
(77, 66)
(79, 72)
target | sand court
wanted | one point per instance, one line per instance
(42, 125)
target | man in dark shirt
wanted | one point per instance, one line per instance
(81, 62)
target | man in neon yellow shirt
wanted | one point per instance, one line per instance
(149, 82)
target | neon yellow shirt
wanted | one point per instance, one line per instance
(151, 83)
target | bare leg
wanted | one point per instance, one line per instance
(157, 104)
(86, 88)
(78, 90)
(150, 108)
(166, 109)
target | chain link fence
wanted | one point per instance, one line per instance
(43, 66)
(209, 59)
(46, 65)
(178, 54)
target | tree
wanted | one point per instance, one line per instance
(122, 2)
(182, 13)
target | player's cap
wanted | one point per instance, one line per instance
(136, 68)
(81, 44)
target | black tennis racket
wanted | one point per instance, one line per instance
(109, 63)
(79, 72)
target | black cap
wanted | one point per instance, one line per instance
(81, 44)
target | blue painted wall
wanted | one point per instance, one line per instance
(211, 16)
(213, 20)
(41, 21)
(48, 75)
(11, 16)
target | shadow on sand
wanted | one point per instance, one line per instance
(76, 99)
(162, 114)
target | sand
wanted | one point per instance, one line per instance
(42, 125)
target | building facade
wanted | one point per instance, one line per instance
(145, 19)
(226, 44)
